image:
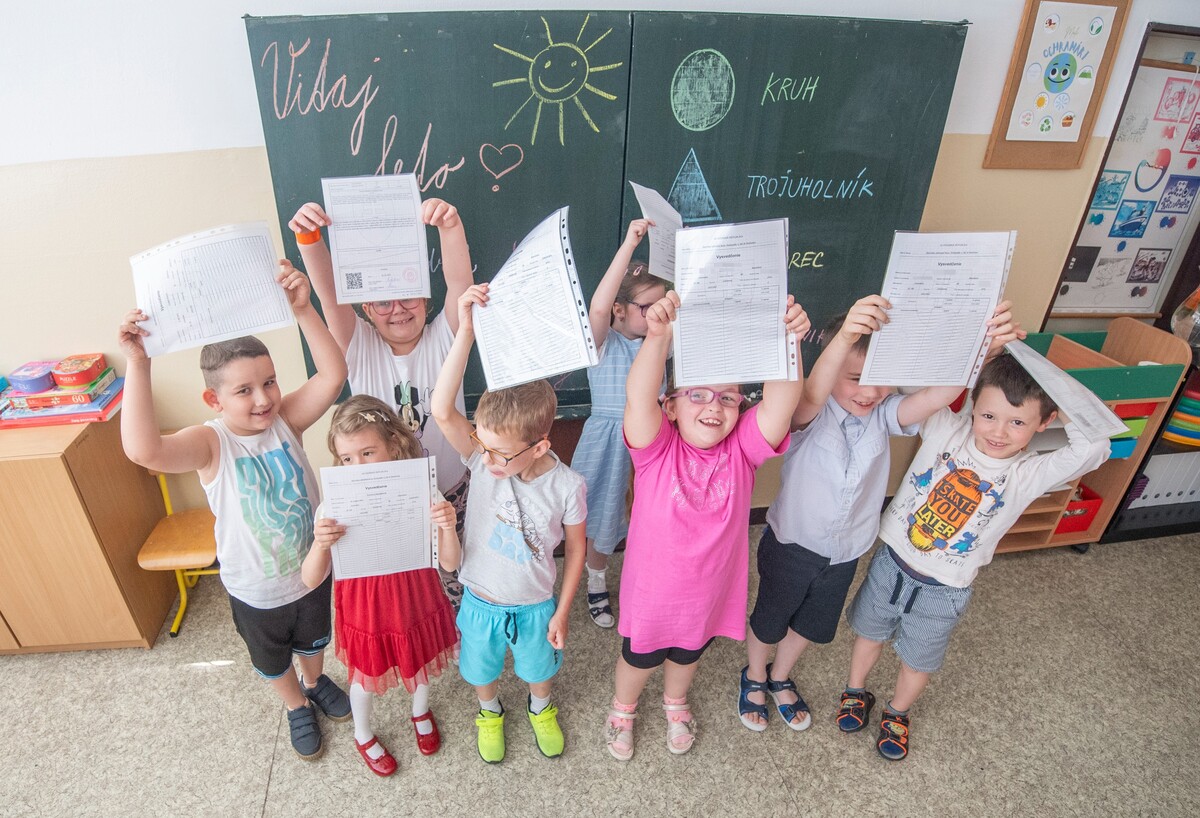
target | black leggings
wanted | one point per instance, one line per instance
(649, 661)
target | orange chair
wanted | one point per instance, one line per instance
(183, 543)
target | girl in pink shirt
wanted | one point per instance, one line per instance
(684, 581)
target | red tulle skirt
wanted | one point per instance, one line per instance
(395, 629)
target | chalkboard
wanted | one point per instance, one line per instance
(509, 115)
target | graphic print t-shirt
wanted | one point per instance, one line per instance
(512, 529)
(263, 496)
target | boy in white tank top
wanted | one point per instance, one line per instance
(263, 492)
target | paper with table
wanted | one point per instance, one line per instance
(732, 285)
(535, 324)
(667, 222)
(377, 239)
(1094, 419)
(386, 510)
(209, 286)
(943, 288)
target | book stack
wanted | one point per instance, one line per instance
(77, 389)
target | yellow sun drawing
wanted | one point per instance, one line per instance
(556, 74)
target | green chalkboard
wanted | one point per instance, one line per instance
(509, 115)
(834, 124)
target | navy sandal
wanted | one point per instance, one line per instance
(600, 610)
(746, 707)
(789, 711)
(855, 711)
(893, 736)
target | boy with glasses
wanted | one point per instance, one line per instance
(523, 502)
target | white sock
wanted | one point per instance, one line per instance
(362, 703)
(420, 703)
(597, 580)
(491, 704)
(537, 704)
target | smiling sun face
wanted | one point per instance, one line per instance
(557, 74)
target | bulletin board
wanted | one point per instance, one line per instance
(1143, 209)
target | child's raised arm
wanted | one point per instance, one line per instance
(453, 423)
(456, 256)
(868, 315)
(600, 311)
(305, 405)
(780, 397)
(920, 405)
(307, 224)
(643, 413)
(192, 449)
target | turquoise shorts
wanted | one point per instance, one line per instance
(489, 631)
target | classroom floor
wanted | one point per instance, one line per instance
(1068, 690)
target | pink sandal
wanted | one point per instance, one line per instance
(618, 730)
(681, 729)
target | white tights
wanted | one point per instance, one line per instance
(362, 704)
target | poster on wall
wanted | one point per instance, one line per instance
(1144, 206)
(1057, 84)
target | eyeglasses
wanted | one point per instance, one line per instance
(500, 457)
(702, 396)
(643, 307)
(387, 307)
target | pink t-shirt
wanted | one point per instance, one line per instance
(687, 555)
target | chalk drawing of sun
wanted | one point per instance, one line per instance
(557, 74)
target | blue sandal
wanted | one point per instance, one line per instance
(789, 711)
(746, 707)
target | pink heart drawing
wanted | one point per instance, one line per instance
(499, 158)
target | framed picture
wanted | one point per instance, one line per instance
(1056, 80)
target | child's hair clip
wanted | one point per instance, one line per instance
(371, 417)
(638, 269)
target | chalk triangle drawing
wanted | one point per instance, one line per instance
(690, 194)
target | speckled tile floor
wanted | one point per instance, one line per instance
(1067, 691)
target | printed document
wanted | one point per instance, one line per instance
(377, 238)
(943, 288)
(667, 222)
(535, 324)
(1095, 420)
(732, 285)
(210, 286)
(385, 508)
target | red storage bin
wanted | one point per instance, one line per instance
(1080, 513)
(1134, 410)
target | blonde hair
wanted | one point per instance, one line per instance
(525, 411)
(362, 411)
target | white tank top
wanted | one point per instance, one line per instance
(263, 496)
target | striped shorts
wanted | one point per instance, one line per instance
(916, 617)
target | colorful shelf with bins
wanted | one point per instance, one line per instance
(1108, 364)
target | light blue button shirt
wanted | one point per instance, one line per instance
(835, 480)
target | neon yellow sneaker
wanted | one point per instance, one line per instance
(491, 735)
(547, 732)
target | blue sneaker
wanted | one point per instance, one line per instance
(328, 698)
(306, 735)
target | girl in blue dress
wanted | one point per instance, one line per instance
(618, 318)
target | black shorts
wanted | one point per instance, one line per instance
(651, 660)
(272, 635)
(798, 589)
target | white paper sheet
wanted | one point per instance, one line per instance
(386, 510)
(943, 288)
(377, 239)
(210, 286)
(1095, 420)
(535, 324)
(667, 222)
(732, 285)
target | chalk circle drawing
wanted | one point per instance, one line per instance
(557, 74)
(1109, 189)
(1132, 217)
(1179, 194)
(690, 195)
(702, 90)
(503, 160)
(1148, 266)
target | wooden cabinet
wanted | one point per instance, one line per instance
(73, 514)
(1111, 365)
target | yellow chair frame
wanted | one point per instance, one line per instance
(183, 543)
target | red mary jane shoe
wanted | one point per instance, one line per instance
(427, 744)
(383, 766)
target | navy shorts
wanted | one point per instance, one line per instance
(798, 589)
(272, 635)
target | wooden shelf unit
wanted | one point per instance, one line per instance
(1108, 364)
